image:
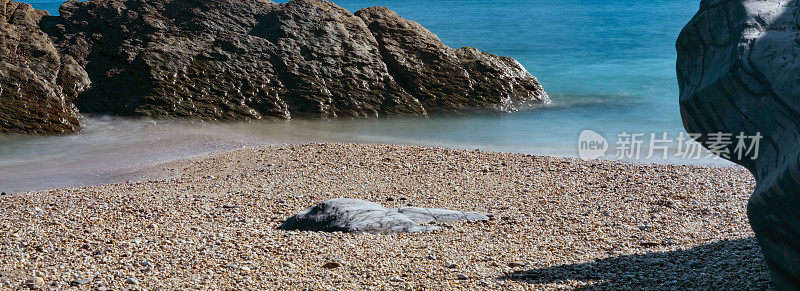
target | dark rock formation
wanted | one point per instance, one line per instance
(234, 60)
(37, 85)
(739, 72)
(239, 59)
(360, 216)
(446, 79)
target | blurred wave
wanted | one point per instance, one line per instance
(607, 65)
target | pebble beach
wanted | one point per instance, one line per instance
(556, 223)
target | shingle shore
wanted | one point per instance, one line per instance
(210, 223)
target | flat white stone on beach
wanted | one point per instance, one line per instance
(361, 216)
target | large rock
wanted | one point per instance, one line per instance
(37, 85)
(360, 216)
(218, 59)
(446, 79)
(739, 72)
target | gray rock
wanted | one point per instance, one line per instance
(37, 84)
(256, 59)
(360, 216)
(427, 215)
(738, 72)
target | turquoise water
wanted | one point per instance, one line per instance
(608, 65)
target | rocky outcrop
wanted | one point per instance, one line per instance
(738, 70)
(360, 216)
(216, 59)
(37, 85)
(238, 60)
(446, 79)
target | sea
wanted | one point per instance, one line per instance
(608, 66)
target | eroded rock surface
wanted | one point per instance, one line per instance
(360, 216)
(218, 59)
(446, 79)
(37, 85)
(739, 72)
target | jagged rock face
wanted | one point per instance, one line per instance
(250, 60)
(37, 85)
(739, 72)
(446, 79)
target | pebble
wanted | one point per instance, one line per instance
(461, 276)
(516, 264)
(78, 282)
(132, 281)
(331, 265)
(579, 231)
(35, 282)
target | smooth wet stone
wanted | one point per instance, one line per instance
(360, 216)
(739, 72)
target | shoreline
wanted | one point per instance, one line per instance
(210, 222)
(132, 165)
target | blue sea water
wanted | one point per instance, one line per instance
(609, 66)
